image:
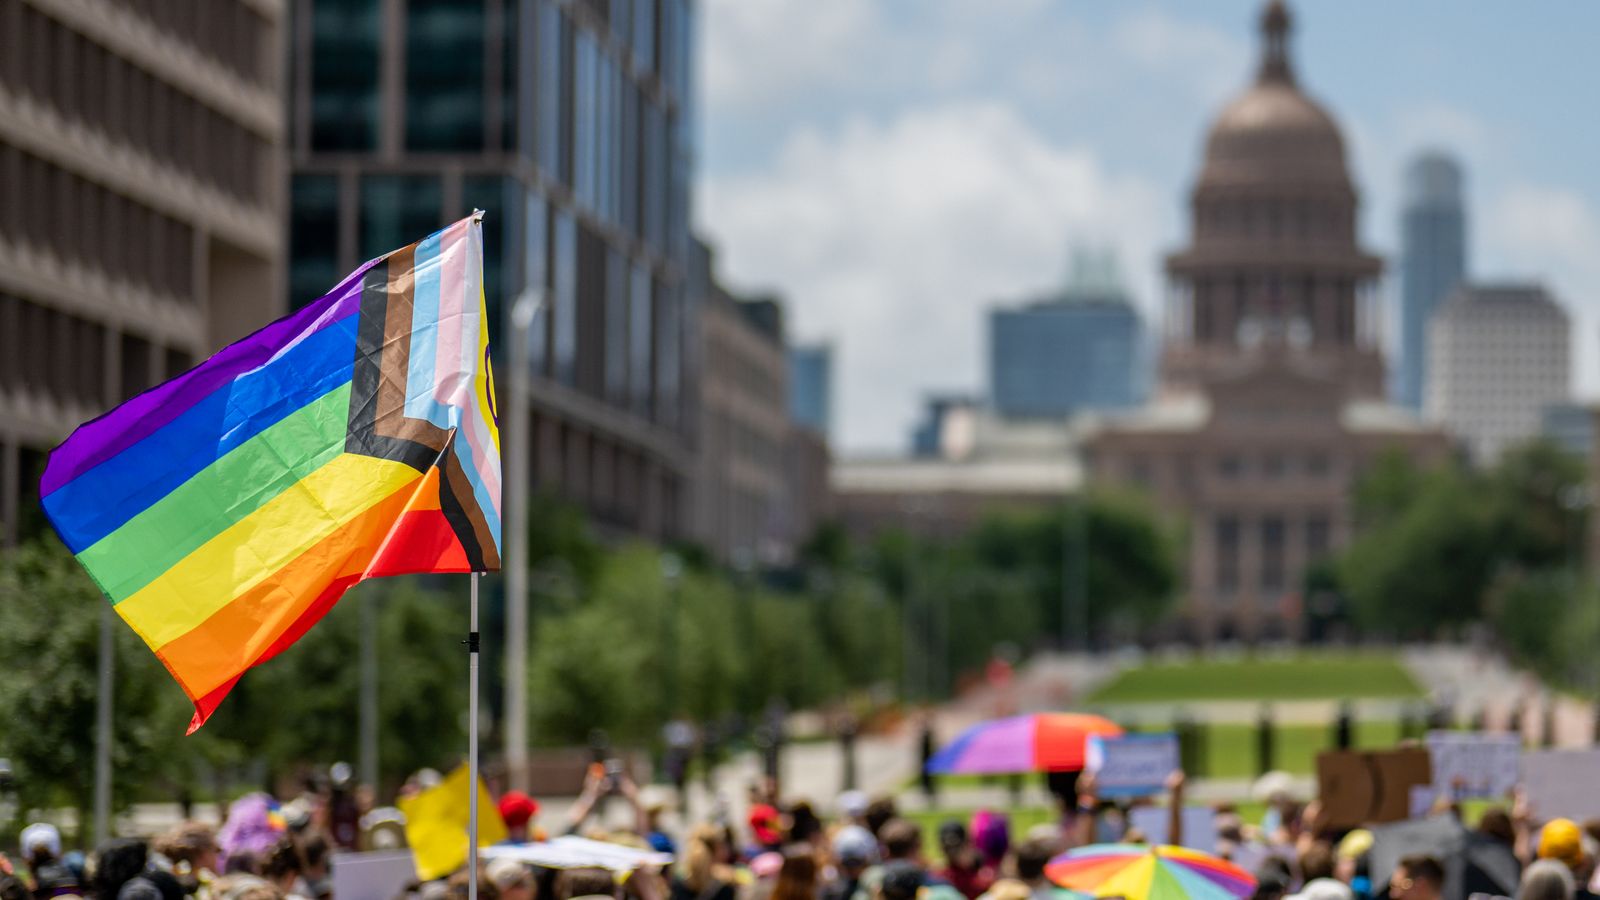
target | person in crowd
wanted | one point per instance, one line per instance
(191, 849)
(316, 853)
(1324, 889)
(805, 826)
(1563, 841)
(1417, 877)
(852, 806)
(766, 829)
(518, 809)
(964, 867)
(991, 833)
(41, 851)
(1496, 823)
(902, 880)
(1272, 879)
(854, 851)
(704, 873)
(1350, 863)
(797, 879)
(574, 883)
(880, 811)
(1316, 862)
(1032, 855)
(512, 880)
(1547, 879)
(651, 808)
(458, 886)
(284, 866)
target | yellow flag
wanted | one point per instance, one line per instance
(436, 824)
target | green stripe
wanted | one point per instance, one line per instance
(219, 495)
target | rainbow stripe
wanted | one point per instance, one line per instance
(1140, 872)
(224, 512)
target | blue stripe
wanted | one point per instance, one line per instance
(99, 501)
(949, 756)
(424, 332)
(463, 452)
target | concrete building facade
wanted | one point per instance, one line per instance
(141, 171)
(569, 124)
(1499, 355)
(1270, 402)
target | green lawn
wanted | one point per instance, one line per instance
(1301, 677)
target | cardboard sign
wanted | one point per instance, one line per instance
(1362, 788)
(1199, 826)
(1473, 764)
(1562, 783)
(376, 875)
(1134, 765)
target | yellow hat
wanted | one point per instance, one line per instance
(1355, 844)
(1562, 839)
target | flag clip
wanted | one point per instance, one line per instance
(471, 642)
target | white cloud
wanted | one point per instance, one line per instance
(763, 51)
(1552, 235)
(893, 238)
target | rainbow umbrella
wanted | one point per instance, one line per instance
(1140, 872)
(1042, 742)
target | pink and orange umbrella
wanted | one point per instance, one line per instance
(1042, 742)
(1140, 872)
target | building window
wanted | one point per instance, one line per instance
(1318, 537)
(616, 328)
(445, 104)
(639, 334)
(1230, 468)
(397, 210)
(536, 240)
(344, 74)
(554, 103)
(1227, 550)
(1272, 559)
(1317, 465)
(313, 237)
(1272, 466)
(564, 268)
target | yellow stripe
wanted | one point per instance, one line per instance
(255, 547)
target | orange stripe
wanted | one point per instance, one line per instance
(234, 637)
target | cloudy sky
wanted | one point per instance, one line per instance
(894, 167)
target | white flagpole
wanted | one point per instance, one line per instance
(472, 746)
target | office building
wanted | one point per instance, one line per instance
(1433, 260)
(569, 124)
(745, 427)
(1271, 401)
(141, 167)
(1498, 356)
(1080, 350)
(1570, 426)
(811, 387)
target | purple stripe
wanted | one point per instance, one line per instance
(996, 747)
(100, 439)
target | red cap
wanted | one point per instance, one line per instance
(516, 808)
(764, 823)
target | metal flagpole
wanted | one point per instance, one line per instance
(472, 745)
(102, 738)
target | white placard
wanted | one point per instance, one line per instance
(1199, 826)
(1474, 764)
(572, 852)
(374, 875)
(1132, 765)
(1562, 783)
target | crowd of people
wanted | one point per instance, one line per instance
(863, 850)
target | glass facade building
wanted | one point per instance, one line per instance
(1433, 260)
(568, 122)
(811, 386)
(1067, 355)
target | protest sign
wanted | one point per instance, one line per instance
(1562, 783)
(573, 852)
(1360, 788)
(1133, 765)
(1199, 826)
(1473, 764)
(376, 875)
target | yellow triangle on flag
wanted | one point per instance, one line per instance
(436, 824)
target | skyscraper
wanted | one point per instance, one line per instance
(1080, 349)
(1433, 260)
(568, 122)
(141, 165)
(1498, 357)
(811, 386)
